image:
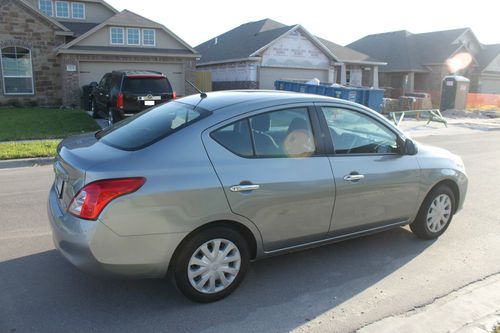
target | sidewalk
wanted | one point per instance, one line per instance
(456, 126)
(474, 308)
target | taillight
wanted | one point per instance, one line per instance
(174, 95)
(119, 101)
(89, 202)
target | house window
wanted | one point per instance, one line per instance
(62, 9)
(117, 35)
(45, 6)
(17, 71)
(133, 36)
(148, 37)
(77, 10)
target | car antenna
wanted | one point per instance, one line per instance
(202, 94)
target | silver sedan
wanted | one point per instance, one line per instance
(198, 187)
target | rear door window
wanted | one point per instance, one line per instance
(146, 85)
(236, 138)
(284, 133)
(150, 126)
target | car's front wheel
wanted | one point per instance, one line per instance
(211, 264)
(435, 214)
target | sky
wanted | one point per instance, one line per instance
(341, 22)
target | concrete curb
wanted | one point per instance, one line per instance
(26, 162)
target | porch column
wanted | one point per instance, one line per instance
(375, 77)
(411, 82)
(331, 75)
(343, 75)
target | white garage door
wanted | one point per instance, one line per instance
(94, 71)
(270, 74)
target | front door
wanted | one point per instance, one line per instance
(272, 175)
(375, 184)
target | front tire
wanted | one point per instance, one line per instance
(211, 264)
(435, 214)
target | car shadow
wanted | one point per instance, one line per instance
(44, 293)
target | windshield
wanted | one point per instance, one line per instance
(150, 126)
(149, 85)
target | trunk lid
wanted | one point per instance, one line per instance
(75, 155)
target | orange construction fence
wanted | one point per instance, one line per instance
(483, 101)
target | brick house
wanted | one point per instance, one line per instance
(256, 54)
(50, 49)
(417, 62)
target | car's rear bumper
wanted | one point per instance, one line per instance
(94, 248)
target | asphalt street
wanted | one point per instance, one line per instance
(335, 288)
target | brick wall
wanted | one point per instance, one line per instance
(19, 27)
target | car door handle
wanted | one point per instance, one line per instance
(353, 178)
(243, 188)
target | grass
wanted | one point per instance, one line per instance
(25, 149)
(39, 123)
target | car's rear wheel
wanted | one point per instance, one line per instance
(93, 108)
(435, 214)
(211, 264)
(113, 116)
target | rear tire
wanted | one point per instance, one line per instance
(93, 108)
(113, 116)
(211, 264)
(435, 214)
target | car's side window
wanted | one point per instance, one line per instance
(355, 133)
(102, 82)
(284, 133)
(236, 138)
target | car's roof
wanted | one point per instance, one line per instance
(220, 99)
(133, 72)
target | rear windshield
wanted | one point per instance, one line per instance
(146, 85)
(150, 126)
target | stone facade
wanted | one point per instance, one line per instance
(20, 27)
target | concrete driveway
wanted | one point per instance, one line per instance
(336, 288)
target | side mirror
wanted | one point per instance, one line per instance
(93, 84)
(410, 147)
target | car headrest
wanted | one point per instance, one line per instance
(298, 124)
(261, 122)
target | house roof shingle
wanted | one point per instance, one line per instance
(79, 28)
(487, 55)
(251, 37)
(414, 50)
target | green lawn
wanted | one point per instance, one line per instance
(42, 125)
(39, 123)
(25, 149)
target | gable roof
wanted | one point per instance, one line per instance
(79, 28)
(128, 18)
(250, 39)
(487, 55)
(241, 42)
(404, 51)
(42, 15)
(346, 54)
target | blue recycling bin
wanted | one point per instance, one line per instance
(369, 97)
